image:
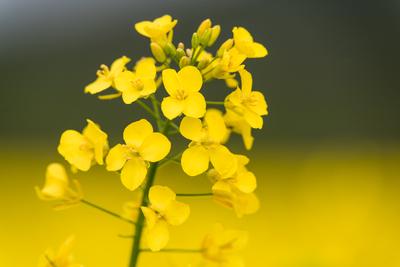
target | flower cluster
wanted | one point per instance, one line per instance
(184, 72)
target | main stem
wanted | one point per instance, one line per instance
(140, 221)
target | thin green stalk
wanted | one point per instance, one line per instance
(171, 159)
(194, 194)
(147, 108)
(116, 215)
(174, 250)
(140, 222)
(156, 109)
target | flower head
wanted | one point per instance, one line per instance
(221, 245)
(106, 76)
(247, 103)
(183, 88)
(57, 187)
(61, 258)
(157, 28)
(230, 62)
(206, 137)
(244, 180)
(239, 125)
(138, 83)
(245, 44)
(82, 150)
(163, 210)
(142, 146)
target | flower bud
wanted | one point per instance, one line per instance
(204, 25)
(157, 52)
(184, 61)
(225, 46)
(181, 45)
(195, 40)
(202, 64)
(205, 37)
(170, 49)
(215, 31)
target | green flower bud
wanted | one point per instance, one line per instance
(184, 61)
(202, 64)
(204, 25)
(215, 31)
(158, 52)
(179, 53)
(205, 37)
(195, 40)
(170, 49)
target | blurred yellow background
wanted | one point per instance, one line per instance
(322, 205)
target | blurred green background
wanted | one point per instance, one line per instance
(327, 160)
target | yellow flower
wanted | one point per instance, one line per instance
(206, 138)
(223, 67)
(62, 258)
(221, 245)
(247, 103)
(130, 209)
(157, 28)
(142, 146)
(231, 197)
(163, 210)
(106, 76)
(84, 150)
(245, 44)
(139, 83)
(240, 126)
(244, 180)
(183, 88)
(57, 187)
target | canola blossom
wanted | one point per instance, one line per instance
(171, 85)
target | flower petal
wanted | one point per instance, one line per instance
(246, 182)
(146, 68)
(141, 27)
(259, 50)
(223, 161)
(149, 87)
(157, 237)
(136, 132)
(190, 79)
(70, 147)
(191, 128)
(161, 197)
(118, 65)
(195, 105)
(150, 215)
(155, 147)
(133, 173)
(195, 160)
(99, 85)
(247, 81)
(255, 120)
(116, 157)
(177, 213)
(171, 107)
(98, 138)
(216, 127)
(171, 81)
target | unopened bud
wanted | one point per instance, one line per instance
(204, 25)
(179, 53)
(205, 37)
(195, 40)
(184, 61)
(181, 45)
(170, 49)
(157, 52)
(202, 64)
(215, 31)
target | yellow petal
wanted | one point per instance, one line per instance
(246, 204)
(247, 81)
(155, 147)
(241, 34)
(259, 50)
(171, 81)
(116, 157)
(190, 79)
(142, 26)
(195, 105)
(217, 130)
(157, 237)
(56, 182)
(75, 148)
(149, 87)
(246, 182)
(150, 215)
(191, 128)
(177, 213)
(259, 105)
(123, 81)
(223, 161)
(252, 118)
(130, 95)
(146, 68)
(171, 107)
(161, 197)
(195, 160)
(98, 138)
(99, 85)
(136, 132)
(133, 173)
(118, 66)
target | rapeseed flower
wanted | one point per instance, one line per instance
(244, 42)
(239, 125)
(156, 29)
(63, 257)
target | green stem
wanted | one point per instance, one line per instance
(147, 108)
(194, 195)
(215, 102)
(156, 111)
(140, 222)
(116, 215)
(176, 250)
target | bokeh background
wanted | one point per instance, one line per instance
(327, 160)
